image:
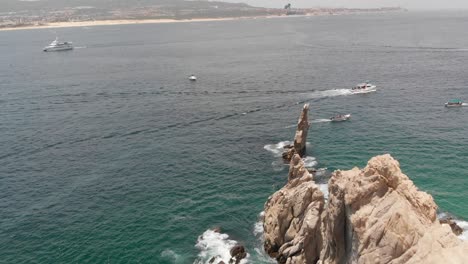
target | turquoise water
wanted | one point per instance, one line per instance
(110, 155)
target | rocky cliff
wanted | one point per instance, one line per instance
(300, 139)
(373, 215)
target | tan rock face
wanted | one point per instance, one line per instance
(300, 139)
(292, 218)
(373, 215)
(377, 215)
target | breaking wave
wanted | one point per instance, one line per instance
(258, 233)
(278, 148)
(460, 223)
(215, 247)
(464, 226)
(310, 162)
(324, 188)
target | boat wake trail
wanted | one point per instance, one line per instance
(330, 93)
(83, 47)
(323, 120)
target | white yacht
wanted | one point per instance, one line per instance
(192, 77)
(364, 88)
(59, 46)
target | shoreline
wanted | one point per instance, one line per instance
(131, 22)
(114, 22)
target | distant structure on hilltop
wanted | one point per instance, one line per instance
(289, 10)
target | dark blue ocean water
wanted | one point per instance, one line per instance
(108, 154)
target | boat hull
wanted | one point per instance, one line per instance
(365, 90)
(47, 49)
(454, 105)
(341, 118)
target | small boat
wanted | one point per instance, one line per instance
(339, 118)
(454, 103)
(364, 88)
(192, 77)
(59, 46)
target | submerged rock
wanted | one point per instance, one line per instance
(300, 139)
(373, 215)
(237, 254)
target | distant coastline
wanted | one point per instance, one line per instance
(117, 22)
(110, 22)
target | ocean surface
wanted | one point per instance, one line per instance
(108, 154)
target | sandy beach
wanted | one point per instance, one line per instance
(125, 22)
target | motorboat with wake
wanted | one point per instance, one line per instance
(454, 103)
(364, 88)
(193, 78)
(59, 46)
(339, 118)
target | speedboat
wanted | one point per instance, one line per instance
(339, 118)
(192, 77)
(59, 46)
(454, 103)
(364, 88)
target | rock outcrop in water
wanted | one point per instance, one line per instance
(300, 139)
(373, 215)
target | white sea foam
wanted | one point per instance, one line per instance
(258, 229)
(460, 223)
(279, 165)
(261, 256)
(324, 188)
(215, 245)
(171, 257)
(277, 149)
(464, 226)
(310, 162)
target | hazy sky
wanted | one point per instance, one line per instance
(410, 4)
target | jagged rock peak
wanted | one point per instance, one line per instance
(300, 139)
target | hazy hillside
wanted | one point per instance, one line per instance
(28, 5)
(18, 13)
(36, 12)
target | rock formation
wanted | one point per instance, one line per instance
(292, 218)
(237, 254)
(300, 139)
(456, 229)
(373, 215)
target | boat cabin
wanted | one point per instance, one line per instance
(455, 102)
